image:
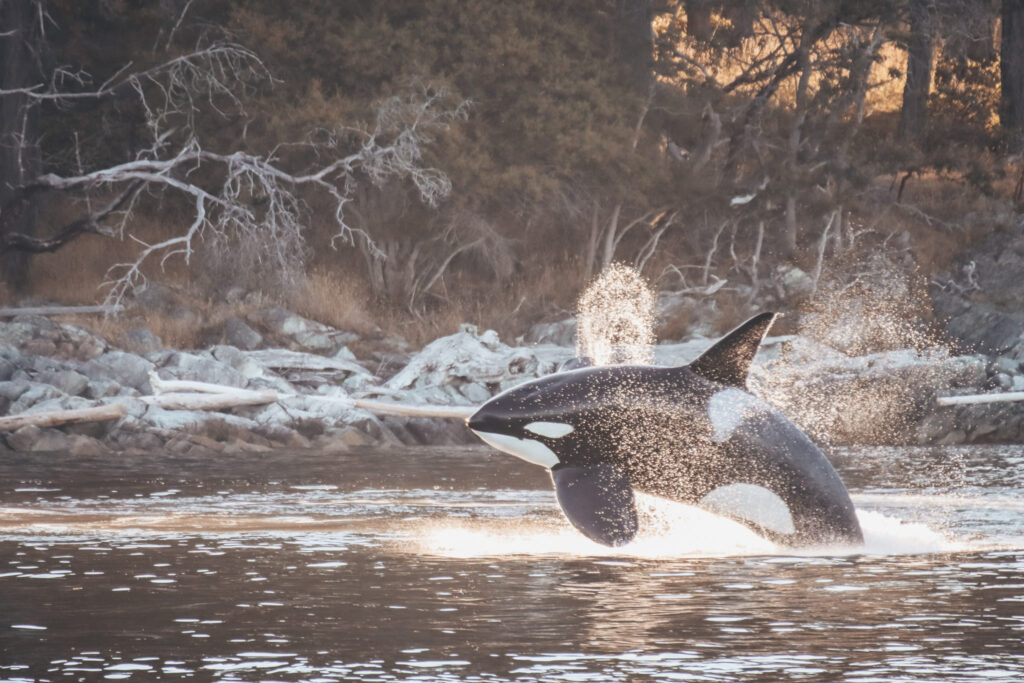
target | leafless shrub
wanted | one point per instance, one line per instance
(248, 209)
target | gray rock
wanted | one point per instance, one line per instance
(70, 382)
(11, 390)
(934, 427)
(193, 420)
(239, 360)
(1003, 381)
(85, 446)
(134, 408)
(60, 403)
(33, 439)
(475, 393)
(101, 388)
(967, 371)
(796, 282)
(238, 333)
(301, 333)
(15, 334)
(281, 322)
(345, 353)
(141, 340)
(42, 326)
(126, 369)
(39, 347)
(35, 394)
(86, 345)
(560, 333)
(1006, 365)
(200, 368)
(23, 439)
(155, 296)
(7, 368)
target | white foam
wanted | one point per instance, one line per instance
(884, 535)
(671, 530)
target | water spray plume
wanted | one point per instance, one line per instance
(616, 318)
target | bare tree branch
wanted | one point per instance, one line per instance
(73, 230)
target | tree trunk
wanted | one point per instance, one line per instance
(635, 39)
(19, 148)
(919, 75)
(1011, 64)
(698, 20)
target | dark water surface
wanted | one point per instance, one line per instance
(455, 565)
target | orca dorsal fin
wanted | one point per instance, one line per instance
(729, 359)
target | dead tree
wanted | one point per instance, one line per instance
(251, 206)
(20, 48)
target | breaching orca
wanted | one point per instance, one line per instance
(692, 434)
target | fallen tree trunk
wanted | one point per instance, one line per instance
(59, 310)
(972, 399)
(113, 411)
(186, 395)
(409, 410)
(203, 391)
(207, 401)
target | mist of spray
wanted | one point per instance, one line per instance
(616, 318)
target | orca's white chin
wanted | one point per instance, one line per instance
(530, 450)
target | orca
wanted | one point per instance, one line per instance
(691, 434)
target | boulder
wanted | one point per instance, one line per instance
(11, 390)
(84, 344)
(85, 446)
(39, 336)
(240, 361)
(238, 333)
(475, 393)
(796, 283)
(101, 388)
(34, 439)
(467, 356)
(141, 340)
(155, 296)
(199, 368)
(559, 333)
(10, 361)
(35, 394)
(15, 334)
(68, 381)
(301, 334)
(59, 402)
(127, 369)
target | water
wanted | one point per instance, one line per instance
(455, 565)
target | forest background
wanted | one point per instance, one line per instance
(406, 166)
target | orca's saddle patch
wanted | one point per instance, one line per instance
(598, 500)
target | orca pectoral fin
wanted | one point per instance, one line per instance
(598, 500)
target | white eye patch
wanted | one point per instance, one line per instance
(552, 430)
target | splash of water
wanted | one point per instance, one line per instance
(616, 318)
(670, 530)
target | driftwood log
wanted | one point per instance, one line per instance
(59, 310)
(189, 395)
(970, 399)
(113, 411)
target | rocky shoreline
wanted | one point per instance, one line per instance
(881, 398)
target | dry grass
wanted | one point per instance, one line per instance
(544, 289)
(335, 298)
